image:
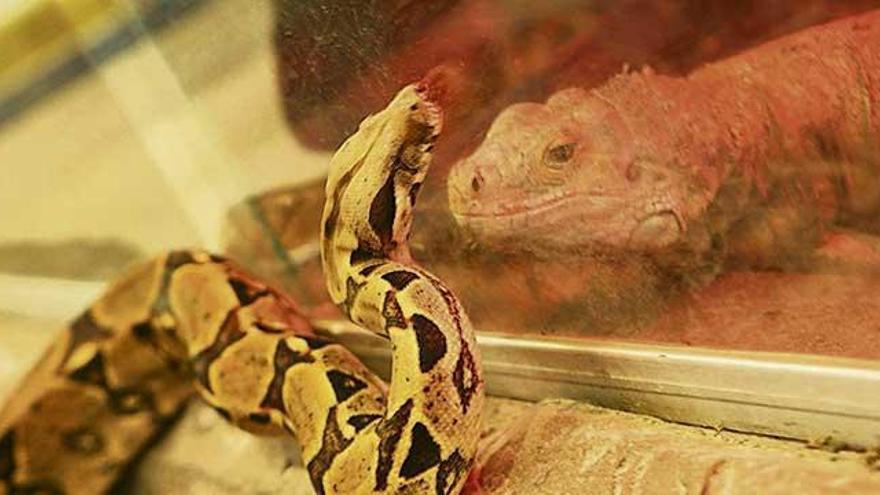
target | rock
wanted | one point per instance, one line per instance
(569, 447)
(553, 447)
(204, 454)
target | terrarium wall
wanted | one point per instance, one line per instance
(691, 172)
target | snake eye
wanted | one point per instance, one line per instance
(559, 154)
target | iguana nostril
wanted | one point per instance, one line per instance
(633, 172)
(477, 182)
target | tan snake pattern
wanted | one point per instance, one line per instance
(125, 367)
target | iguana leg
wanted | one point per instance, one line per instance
(843, 250)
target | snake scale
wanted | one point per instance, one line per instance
(125, 367)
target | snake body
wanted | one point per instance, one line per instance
(126, 366)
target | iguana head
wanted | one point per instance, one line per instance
(567, 174)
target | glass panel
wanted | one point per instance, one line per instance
(691, 173)
(696, 189)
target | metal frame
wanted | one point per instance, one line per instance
(811, 398)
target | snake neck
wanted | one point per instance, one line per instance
(372, 187)
(435, 397)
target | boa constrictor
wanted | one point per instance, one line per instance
(126, 366)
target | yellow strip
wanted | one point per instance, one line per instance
(37, 35)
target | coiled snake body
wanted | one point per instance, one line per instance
(123, 369)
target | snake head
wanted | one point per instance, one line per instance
(374, 179)
(399, 136)
(567, 174)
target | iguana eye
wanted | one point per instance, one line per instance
(559, 154)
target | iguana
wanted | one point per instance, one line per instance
(756, 156)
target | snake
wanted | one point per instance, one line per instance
(189, 322)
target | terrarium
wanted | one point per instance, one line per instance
(662, 208)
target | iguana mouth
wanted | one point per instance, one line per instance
(657, 230)
(601, 217)
(533, 207)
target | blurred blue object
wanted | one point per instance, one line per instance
(152, 16)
